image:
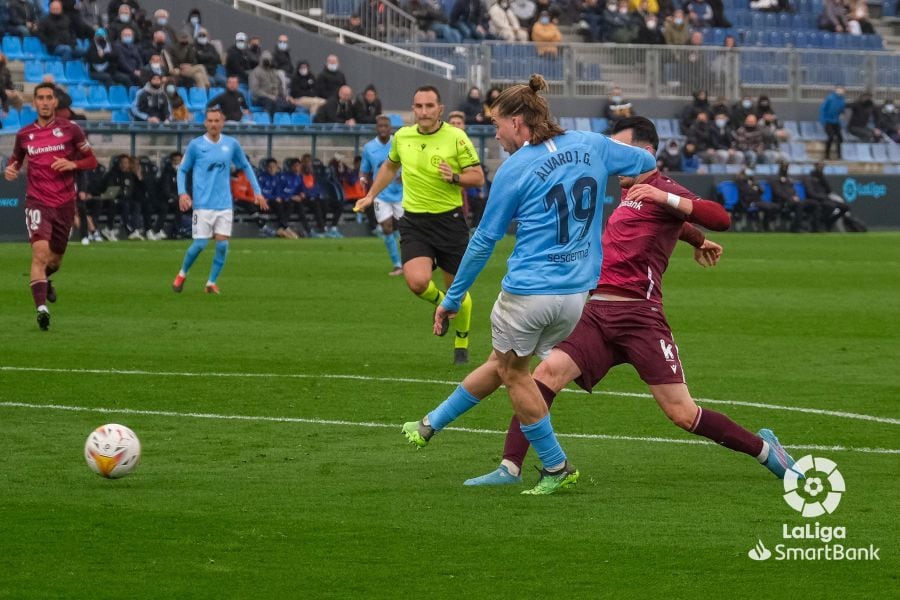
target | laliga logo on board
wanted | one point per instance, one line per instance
(814, 505)
(852, 189)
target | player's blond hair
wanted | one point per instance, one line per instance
(522, 100)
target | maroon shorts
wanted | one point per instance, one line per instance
(612, 333)
(49, 223)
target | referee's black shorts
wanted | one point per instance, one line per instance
(442, 237)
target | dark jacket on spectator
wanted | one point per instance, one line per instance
(701, 134)
(208, 56)
(335, 111)
(56, 30)
(365, 112)
(303, 85)
(151, 102)
(328, 83)
(233, 104)
(129, 57)
(238, 63)
(749, 139)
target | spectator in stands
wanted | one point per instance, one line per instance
(763, 105)
(112, 9)
(9, 95)
(179, 108)
(161, 23)
(669, 158)
(546, 35)
(331, 79)
(151, 103)
(700, 14)
(742, 108)
(80, 29)
(102, 61)
(125, 20)
(617, 108)
(830, 112)
(208, 57)
(525, 11)
(157, 45)
(473, 107)
(831, 206)
(752, 203)
(355, 25)
(194, 24)
(184, 61)
(237, 58)
(492, 96)
(20, 19)
(590, 20)
(834, 16)
(457, 118)
(621, 25)
(723, 140)
(650, 32)
(122, 175)
(773, 134)
(886, 119)
(719, 106)
(254, 51)
(700, 134)
(690, 160)
(55, 30)
(339, 109)
(503, 23)
(267, 87)
(676, 31)
(281, 57)
(784, 194)
(749, 139)
(303, 90)
(700, 104)
(367, 107)
(431, 20)
(862, 113)
(858, 17)
(271, 182)
(155, 66)
(232, 102)
(373, 18)
(466, 16)
(770, 123)
(130, 61)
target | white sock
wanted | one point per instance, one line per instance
(43, 308)
(764, 454)
(558, 467)
(512, 467)
(425, 421)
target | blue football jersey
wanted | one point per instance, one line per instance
(373, 155)
(211, 165)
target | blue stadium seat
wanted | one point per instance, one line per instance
(76, 72)
(97, 99)
(12, 47)
(793, 129)
(396, 120)
(880, 153)
(800, 190)
(11, 121)
(200, 117)
(282, 118)
(262, 118)
(567, 123)
(850, 152)
(302, 118)
(196, 98)
(894, 152)
(78, 95)
(583, 124)
(664, 128)
(784, 21)
(27, 114)
(34, 71)
(55, 68)
(599, 124)
(813, 131)
(34, 48)
(766, 188)
(121, 116)
(728, 192)
(132, 92)
(829, 40)
(118, 97)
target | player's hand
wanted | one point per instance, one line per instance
(445, 171)
(708, 254)
(363, 203)
(184, 202)
(262, 202)
(11, 172)
(62, 164)
(644, 191)
(439, 316)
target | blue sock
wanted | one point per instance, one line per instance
(218, 260)
(450, 409)
(544, 441)
(192, 253)
(390, 241)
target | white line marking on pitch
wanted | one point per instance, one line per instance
(801, 409)
(262, 418)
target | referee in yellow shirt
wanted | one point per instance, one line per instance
(437, 160)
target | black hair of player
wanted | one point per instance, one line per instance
(643, 130)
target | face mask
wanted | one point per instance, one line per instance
(678, 22)
(202, 40)
(839, 92)
(127, 40)
(750, 127)
(266, 63)
(545, 20)
(162, 22)
(155, 86)
(611, 7)
(651, 24)
(101, 41)
(332, 68)
(688, 153)
(747, 104)
(282, 46)
(156, 67)
(124, 18)
(623, 11)
(170, 89)
(195, 20)
(304, 72)
(889, 108)
(616, 99)
(672, 151)
(241, 45)
(721, 123)
(254, 47)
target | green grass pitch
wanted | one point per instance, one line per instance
(273, 465)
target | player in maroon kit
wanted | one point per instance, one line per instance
(623, 322)
(55, 149)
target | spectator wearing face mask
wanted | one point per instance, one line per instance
(194, 24)
(617, 108)
(546, 35)
(503, 23)
(741, 108)
(303, 91)
(749, 139)
(650, 32)
(254, 51)
(112, 9)
(472, 107)
(184, 62)
(124, 19)
(102, 61)
(722, 139)
(621, 25)
(208, 57)
(861, 116)
(886, 119)
(267, 87)
(237, 59)
(179, 108)
(281, 56)
(155, 66)
(751, 202)
(162, 23)
(130, 60)
(331, 78)
(669, 160)
(151, 103)
(676, 31)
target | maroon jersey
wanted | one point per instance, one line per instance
(637, 242)
(41, 146)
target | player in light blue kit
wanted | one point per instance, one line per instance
(553, 186)
(388, 204)
(209, 158)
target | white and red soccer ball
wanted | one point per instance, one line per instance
(112, 451)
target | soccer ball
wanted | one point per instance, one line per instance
(112, 451)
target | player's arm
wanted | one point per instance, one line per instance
(706, 252)
(187, 163)
(241, 162)
(385, 176)
(711, 215)
(84, 157)
(622, 159)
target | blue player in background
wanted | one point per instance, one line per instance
(209, 159)
(553, 186)
(388, 204)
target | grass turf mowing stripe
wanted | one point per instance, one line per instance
(139, 372)
(263, 418)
